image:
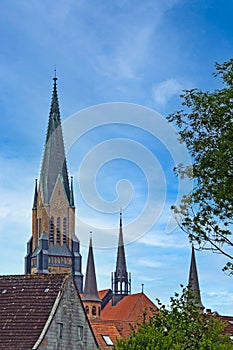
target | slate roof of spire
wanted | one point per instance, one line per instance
(54, 160)
(121, 270)
(90, 289)
(193, 280)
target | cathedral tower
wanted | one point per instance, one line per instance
(53, 247)
(121, 279)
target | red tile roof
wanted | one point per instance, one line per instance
(25, 304)
(103, 293)
(107, 328)
(130, 308)
(228, 320)
(128, 312)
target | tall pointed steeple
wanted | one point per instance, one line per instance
(121, 280)
(193, 284)
(90, 297)
(53, 212)
(121, 261)
(54, 159)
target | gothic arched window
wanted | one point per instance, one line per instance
(64, 230)
(93, 310)
(51, 230)
(58, 230)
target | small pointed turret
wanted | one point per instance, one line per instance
(35, 196)
(90, 297)
(121, 280)
(90, 288)
(121, 261)
(54, 160)
(193, 284)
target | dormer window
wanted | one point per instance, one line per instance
(107, 339)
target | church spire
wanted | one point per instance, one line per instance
(90, 297)
(54, 160)
(121, 281)
(121, 261)
(90, 289)
(193, 284)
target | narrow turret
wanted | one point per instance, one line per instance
(121, 280)
(91, 300)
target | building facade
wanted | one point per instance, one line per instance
(44, 312)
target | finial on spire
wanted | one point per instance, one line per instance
(142, 288)
(55, 73)
(120, 217)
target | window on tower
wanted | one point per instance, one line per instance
(51, 230)
(58, 230)
(93, 310)
(64, 230)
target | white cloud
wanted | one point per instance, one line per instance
(163, 240)
(163, 91)
(150, 263)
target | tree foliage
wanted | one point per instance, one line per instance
(206, 128)
(180, 327)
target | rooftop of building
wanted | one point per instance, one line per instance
(25, 304)
(131, 308)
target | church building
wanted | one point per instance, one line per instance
(53, 246)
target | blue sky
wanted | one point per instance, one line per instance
(141, 55)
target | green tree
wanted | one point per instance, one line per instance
(180, 327)
(206, 128)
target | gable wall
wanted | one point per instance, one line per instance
(71, 315)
